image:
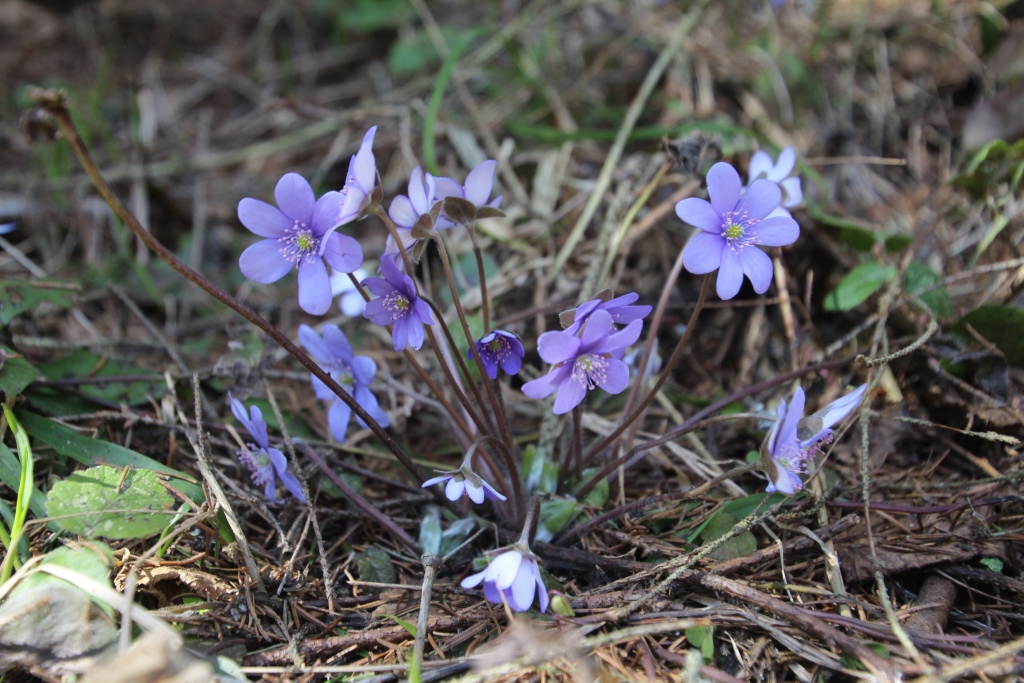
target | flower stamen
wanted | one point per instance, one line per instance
(299, 245)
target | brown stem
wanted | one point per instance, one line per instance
(501, 419)
(596, 449)
(357, 500)
(652, 337)
(463, 368)
(56, 105)
(485, 307)
(409, 356)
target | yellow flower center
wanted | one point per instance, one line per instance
(733, 232)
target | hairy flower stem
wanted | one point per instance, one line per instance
(513, 473)
(597, 448)
(486, 424)
(499, 416)
(530, 525)
(652, 335)
(410, 356)
(390, 225)
(55, 104)
(577, 442)
(485, 304)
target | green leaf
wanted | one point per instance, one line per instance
(738, 546)
(1001, 325)
(430, 530)
(919, 277)
(364, 16)
(92, 452)
(857, 285)
(10, 474)
(598, 495)
(88, 364)
(110, 503)
(19, 296)
(554, 516)
(15, 374)
(703, 637)
(455, 534)
(993, 564)
(49, 614)
(408, 626)
(375, 566)
(411, 55)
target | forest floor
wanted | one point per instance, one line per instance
(901, 560)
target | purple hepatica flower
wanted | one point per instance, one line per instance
(397, 304)
(579, 363)
(620, 308)
(354, 373)
(477, 189)
(730, 225)
(359, 182)
(266, 463)
(465, 481)
(762, 166)
(406, 211)
(793, 441)
(499, 347)
(515, 574)
(299, 233)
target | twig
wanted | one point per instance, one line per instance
(196, 439)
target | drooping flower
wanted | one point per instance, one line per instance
(300, 233)
(620, 308)
(398, 304)
(267, 464)
(579, 363)
(779, 172)
(354, 373)
(731, 224)
(793, 441)
(513, 573)
(350, 301)
(499, 347)
(405, 211)
(359, 182)
(465, 481)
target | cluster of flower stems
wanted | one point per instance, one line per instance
(302, 232)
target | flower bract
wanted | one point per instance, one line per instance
(267, 464)
(732, 225)
(515, 574)
(333, 353)
(477, 189)
(397, 304)
(299, 233)
(580, 363)
(406, 211)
